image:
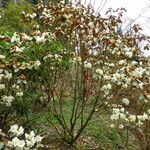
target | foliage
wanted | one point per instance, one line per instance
(11, 17)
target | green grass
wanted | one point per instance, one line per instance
(97, 135)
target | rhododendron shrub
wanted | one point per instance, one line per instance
(13, 83)
(74, 56)
(18, 139)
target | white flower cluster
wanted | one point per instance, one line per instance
(32, 64)
(16, 130)
(23, 141)
(87, 65)
(93, 52)
(7, 100)
(15, 38)
(2, 57)
(46, 14)
(6, 79)
(106, 89)
(26, 37)
(121, 114)
(138, 72)
(99, 72)
(118, 78)
(8, 75)
(2, 86)
(45, 36)
(17, 50)
(53, 56)
(125, 101)
(118, 113)
(29, 16)
(5, 74)
(142, 118)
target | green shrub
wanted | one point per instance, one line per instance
(11, 17)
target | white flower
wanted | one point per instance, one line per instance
(144, 117)
(18, 144)
(134, 62)
(122, 116)
(125, 101)
(2, 86)
(87, 65)
(1, 71)
(25, 142)
(141, 85)
(20, 131)
(138, 72)
(106, 77)
(34, 15)
(116, 114)
(1, 132)
(7, 100)
(111, 64)
(132, 118)
(48, 56)
(15, 38)
(116, 110)
(10, 144)
(129, 54)
(122, 110)
(38, 138)
(1, 77)
(114, 117)
(139, 123)
(40, 39)
(30, 136)
(118, 53)
(122, 62)
(37, 64)
(115, 77)
(93, 52)
(121, 126)
(108, 86)
(29, 143)
(2, 57)
(7, 75)
(91, 24)
(125, 85)
(26, 37)
(15, 130)
(139, 117)
(119, 41)
(112, 125)
(99, 71)
(20, 94)
(18, 49)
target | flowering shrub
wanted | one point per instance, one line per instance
(73, 55)
(19, 140)
(13, 82)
